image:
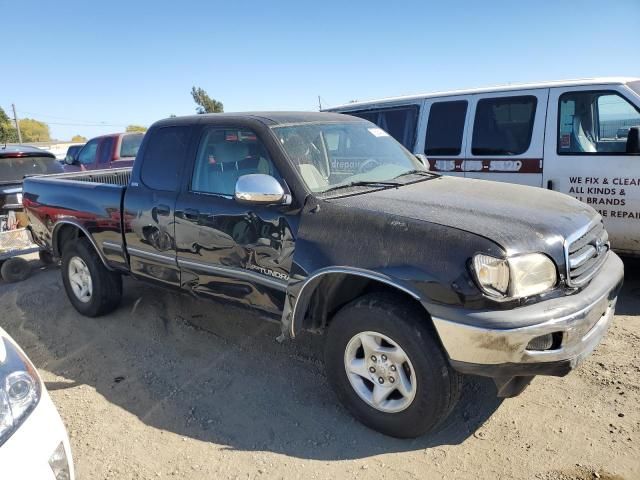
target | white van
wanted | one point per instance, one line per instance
(579, 137)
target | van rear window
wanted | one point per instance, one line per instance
(445, 128)
(399, 122)
(503, 126)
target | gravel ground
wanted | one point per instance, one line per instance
(168, 386)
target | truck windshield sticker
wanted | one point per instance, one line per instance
(378, 132)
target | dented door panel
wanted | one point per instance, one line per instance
(233, 251)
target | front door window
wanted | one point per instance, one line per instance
(595, 123)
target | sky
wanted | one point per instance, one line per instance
(90, 68)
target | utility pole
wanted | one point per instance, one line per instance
(15, 117)
(319, 103)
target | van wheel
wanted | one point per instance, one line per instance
(92, 289)
(15, 269)
(387, 368)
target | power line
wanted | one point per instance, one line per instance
(89, 124)
(92, 122)
(76, 122)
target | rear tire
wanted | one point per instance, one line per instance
(15, 269)
(419, 387)
(92, 289)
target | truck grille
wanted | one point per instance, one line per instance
(586, 254)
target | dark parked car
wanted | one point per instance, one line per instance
(108, 151)
(16, 161)
(72, 154)
(325, 223)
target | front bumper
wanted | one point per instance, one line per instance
(476, 344)
(26, 454)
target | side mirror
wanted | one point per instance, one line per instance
(69, 160)
(633, 141)
(258, 188)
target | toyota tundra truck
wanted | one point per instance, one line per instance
(328, 225)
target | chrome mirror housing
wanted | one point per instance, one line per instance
(258, 188)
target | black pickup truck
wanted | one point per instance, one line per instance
(327, 224)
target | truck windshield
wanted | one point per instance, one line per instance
(13, 169)
(329, 155)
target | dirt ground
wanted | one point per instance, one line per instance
(169, 386)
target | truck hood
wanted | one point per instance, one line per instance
(518, 218)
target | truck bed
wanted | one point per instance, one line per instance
(90, 201)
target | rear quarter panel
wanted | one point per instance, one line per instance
(95, 208)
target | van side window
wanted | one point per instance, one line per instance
(594, 123)
(445, 128)
(163, 158)
(224, 155)
(503, 126)
(399, 122)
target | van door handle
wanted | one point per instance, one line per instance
(191, 214)
(163, 210)
(550, 185)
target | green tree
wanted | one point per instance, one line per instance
(78, 139)
(206, 104)
(8, 132)
(34, 130)
(136, 128)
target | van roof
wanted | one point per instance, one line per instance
(496, 88)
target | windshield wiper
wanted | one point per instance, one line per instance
(423, 173)
(364, 183)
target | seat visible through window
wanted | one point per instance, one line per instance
(224, 156)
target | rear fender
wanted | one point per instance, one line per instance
(60, 237)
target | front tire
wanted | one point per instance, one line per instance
(387, 367)
(92, 289)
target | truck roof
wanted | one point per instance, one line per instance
(268, 118)
(496, 88)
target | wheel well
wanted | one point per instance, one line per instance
(63, 235)
(337, 289)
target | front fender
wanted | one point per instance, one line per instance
(300, 291)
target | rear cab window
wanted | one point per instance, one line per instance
(163, 158)
(400, 122)
(130, 145)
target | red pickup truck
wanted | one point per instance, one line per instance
(115, 150)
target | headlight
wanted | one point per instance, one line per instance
(515, 277)
(19, 388)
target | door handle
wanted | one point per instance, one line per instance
(163, 210)
(191, 214)
(550, 185)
